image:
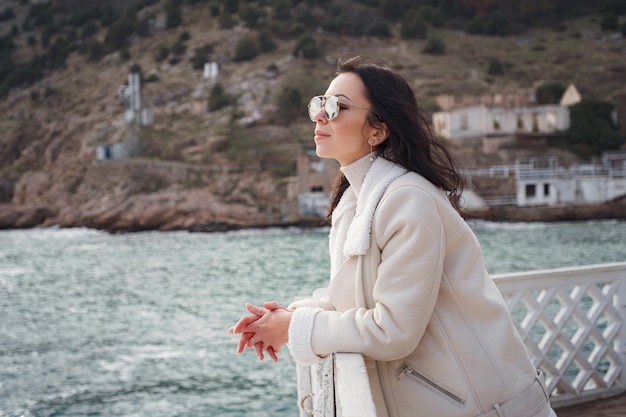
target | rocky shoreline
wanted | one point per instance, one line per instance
(12, 217)
(569, 212)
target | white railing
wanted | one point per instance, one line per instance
(572, 320)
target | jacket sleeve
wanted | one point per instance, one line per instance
(319, 299)
(409, 235)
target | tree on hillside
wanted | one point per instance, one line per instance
(289, 104)
(118, 33)
(246, 49)
(307, 47)
(609, 22)
(591, 129)
(413, 26)
(434, 46)
(396, 8)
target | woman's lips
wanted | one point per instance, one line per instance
(320, 135)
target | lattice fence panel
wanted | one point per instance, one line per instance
(571, 333)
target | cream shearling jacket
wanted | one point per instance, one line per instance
(409, 291)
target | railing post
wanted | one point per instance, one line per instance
(621, 339)
(352, 388)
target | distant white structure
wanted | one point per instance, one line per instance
(541, 181)
(570, 96)
(117, 150)
(131, 95)
(134, 114)
(478, 121)
(590, 183)
(502, 115)
(210, 70)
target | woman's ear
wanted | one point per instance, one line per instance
(381, 133)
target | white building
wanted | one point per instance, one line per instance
(541, 181)
(501, 116)
(578, 184)
(479, 121)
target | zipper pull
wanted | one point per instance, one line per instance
(405, 370)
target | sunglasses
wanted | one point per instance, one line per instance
(331, 106)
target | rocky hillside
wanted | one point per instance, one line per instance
(206, 167)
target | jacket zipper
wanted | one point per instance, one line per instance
(406, 369)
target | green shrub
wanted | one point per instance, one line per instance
(49, 91)
(214, 8)
(7, 14)
(201, 56)
(266, 42)
(173, 18)
(289, 105)
(90, 29)
(609, 22)
(251, 15)
(413, 26)
(591, 130)
(118, 33)
(307, 47)
(161, 54)
(282, 9)
(218, 98)
(125, 54)
(306, 18)
(230, 6)
(173, 13)
(94, 50)
(494, 24)
(380, 29)
(246, 49)
(152, 78)
(495, 67)
(108, 15)
(396, 8)
(179, 48)
(434, 46)
(226, 21)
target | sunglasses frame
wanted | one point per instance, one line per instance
(322, 105)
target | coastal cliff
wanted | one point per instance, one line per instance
(204, 166)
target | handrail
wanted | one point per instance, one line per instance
(572, 321)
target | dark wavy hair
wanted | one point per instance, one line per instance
(411, 142)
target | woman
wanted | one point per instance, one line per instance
(408, 288)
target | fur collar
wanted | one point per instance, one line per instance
(380, 175)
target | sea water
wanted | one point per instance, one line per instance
(99, 324)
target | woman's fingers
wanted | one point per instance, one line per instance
(247, 337)
(259, 350)
(244, 341)
(272, 305)
(259, 311)
(243, 323)
(272, 353)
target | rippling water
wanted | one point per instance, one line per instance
(97, 324)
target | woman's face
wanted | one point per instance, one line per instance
(345, 138)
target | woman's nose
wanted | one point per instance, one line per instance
(320, 116)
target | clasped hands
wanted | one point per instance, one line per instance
(265, 329)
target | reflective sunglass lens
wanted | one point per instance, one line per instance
(315, 105)
(331, 107)
(330, 104)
